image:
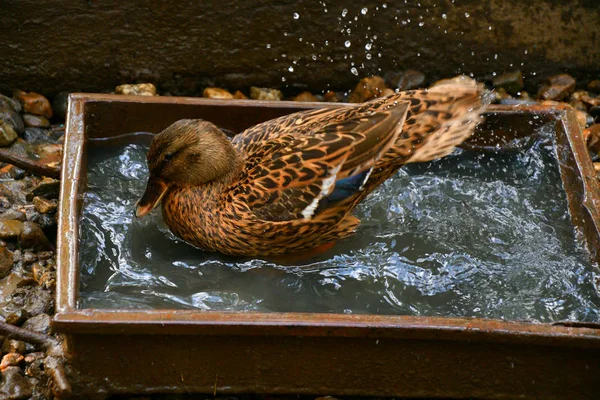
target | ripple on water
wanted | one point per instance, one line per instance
(472, 235)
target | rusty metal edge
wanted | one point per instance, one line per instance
(69, 319)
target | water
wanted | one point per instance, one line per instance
(472, 235)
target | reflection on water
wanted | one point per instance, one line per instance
(472, 235)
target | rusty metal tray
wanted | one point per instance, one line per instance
(182, 351)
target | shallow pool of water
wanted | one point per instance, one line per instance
(472, 235)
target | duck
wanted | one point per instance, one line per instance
(289, 185)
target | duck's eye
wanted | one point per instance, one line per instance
(169, 156)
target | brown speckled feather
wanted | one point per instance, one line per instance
(291, 183)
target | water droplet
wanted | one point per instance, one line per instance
(268, 45)
(344, 12)
(364, 11)
(283, 79)
(354, 71)
(444, 16)
(314, 57)
(291, 69)
(467, 15)
(368, 56)
(368, 46)
(347, 43)
(296, 15)
(384, 5)
(421, 23)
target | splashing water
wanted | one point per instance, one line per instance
(472, 235)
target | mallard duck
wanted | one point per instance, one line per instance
(289, 184)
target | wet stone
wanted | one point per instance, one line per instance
(36, 135)
(331, 97)
(13, 346)
(32, 357)
(40, 323)
(591, 101)
(140, 89)
(6, 262)
(43, 205)
(594, 86)
(14, 386)
(557, 87)
(10, 360)
(13, 214)
(47, 188)
(35, 121)
(7, 102)
(592, 137)
(367, 89)
(29, 257)
(511, 82)
(34, 103)
(217, 93)
(32, 236)
(407, 80)
(387, 92)
(32, 299)
(306, 96)
(12, 118)
(265, 93)
(239, 95)
(460, 79)
(11, 172)
(60, 104)
(7, 134)
(10, 229)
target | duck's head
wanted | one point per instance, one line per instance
(191, 152)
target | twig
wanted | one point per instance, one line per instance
(28, 165)
(26, 335)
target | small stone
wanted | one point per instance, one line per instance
(217, 93)
(583, 119)
(40, 323)
(512, 82)
(523, 95)
(592, 137)
(239, 95)
(31, 357)
(6, 262)
(387, 92)
(14, 385)
(43, 205)
(32, 236)
(306, 96)
(34, 103)
(265, 93)
(11, 172)
(367, 89)
(597, 166)
(7, 102)
(29, 258)
(460, 79)
(13, 214)
(594, 86)
(140, 89)
(10, 229)
(36, 135)
(409, 79)
(13, 346)
(331, 97)
(60, 103)
(47, 188)
(591, 101)
(7, 134)
(557, 87)
(35, 121)
(12, 118)
(11, 360)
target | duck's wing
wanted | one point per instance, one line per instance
(292, 177)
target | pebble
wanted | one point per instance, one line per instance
(31, 357)
(14, 385)
(29, 257)
(557, 87)
(10, 360)
(36, 135)
(306, 96)
(13, 214)
(13, 346)
(10, 103)
(7, 134)
(35, 121)
(60, 104)
(40, 323)
(460, 79)
(331, 97)
(511, 82)
(47, 187)
(6, 262)
(10, 229)
(19, 316)
(407, 80)
(591, 101)
(265, 93)
(387, 92)
(367, 88)
(12, 118)
(217, 93)
(594, 86)
(239, 95)
(592, 137)
(34, 103)
(32, 236)
(43, 205)
(31, 300)
(140, 89)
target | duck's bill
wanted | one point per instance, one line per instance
(155, 190)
